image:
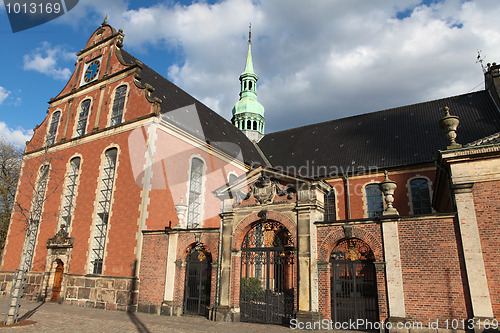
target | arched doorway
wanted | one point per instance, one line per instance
(198, 282)
(56, 286)
(267, 292)
(353, 282)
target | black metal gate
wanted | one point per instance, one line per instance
(267, 293)
(198, 282)
(353, 283)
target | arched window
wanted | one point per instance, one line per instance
(250, 85)
(103, 209)
(330, 211)
(374, 200)
(248, 125)
(420, 196)
(36, 213)
(195, 192)
(254, 125)
(51, 135)
(82, 118)
(118, 105)
(70, 187)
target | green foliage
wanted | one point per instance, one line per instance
(10, 164)
(250, 288)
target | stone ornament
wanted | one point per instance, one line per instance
(387, 187)
(264, 190)
(61, 239)
(181, 212)
(449, 125)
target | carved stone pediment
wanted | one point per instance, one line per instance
(264, 190)
(60, 240)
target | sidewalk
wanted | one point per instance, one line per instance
(53, 317)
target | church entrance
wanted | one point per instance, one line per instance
(198, 282)
(353, 282)
(56, 287)
(267, 293)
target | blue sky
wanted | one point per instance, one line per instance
(316, 61)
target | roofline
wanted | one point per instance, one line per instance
(367, 113)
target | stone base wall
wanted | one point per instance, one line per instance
(102, 292)
(32, 289)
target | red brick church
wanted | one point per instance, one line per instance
(135, 196)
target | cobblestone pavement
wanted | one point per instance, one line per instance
(53, 317)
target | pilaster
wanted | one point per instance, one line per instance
(308, 302)
(394, 274)
(473, 254)
(223, 311)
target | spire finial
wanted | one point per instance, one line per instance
(105, 20)
(250, 33)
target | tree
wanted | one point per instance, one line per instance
(32, 193)
(10, 165)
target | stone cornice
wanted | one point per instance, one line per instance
(90, 85)
(457, 154)
(94, 135)
(385, 219)
(182, 231)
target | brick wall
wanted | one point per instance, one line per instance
(122, 227)
(487, 204)
(153, 268)
(328, 237)
(154, 264)
(357, 188)
(434, 278)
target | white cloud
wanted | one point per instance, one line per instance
(17, 136)
(320, 61)
(46, 59)
(4, 93)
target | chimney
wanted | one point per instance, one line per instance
(492, 82)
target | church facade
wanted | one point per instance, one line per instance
(135, 196)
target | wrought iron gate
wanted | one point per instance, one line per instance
(267, 292)
(198, 282)
(353, 282)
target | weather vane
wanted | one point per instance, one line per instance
(250, 33)
(480, 59)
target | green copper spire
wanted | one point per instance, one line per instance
(249, 64)
(248, 113)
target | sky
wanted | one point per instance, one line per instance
(316, 60)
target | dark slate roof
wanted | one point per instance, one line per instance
(396, 137)
(489, 140)
(214, 129)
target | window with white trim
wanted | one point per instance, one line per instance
(70, 187)
(420, 196)
(82, 117)
(374, 200)
(103, 209)
(118, 105)
(195, 192)
(51, 135)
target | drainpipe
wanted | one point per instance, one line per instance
(348, 193)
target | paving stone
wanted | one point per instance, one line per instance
(53, 317)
